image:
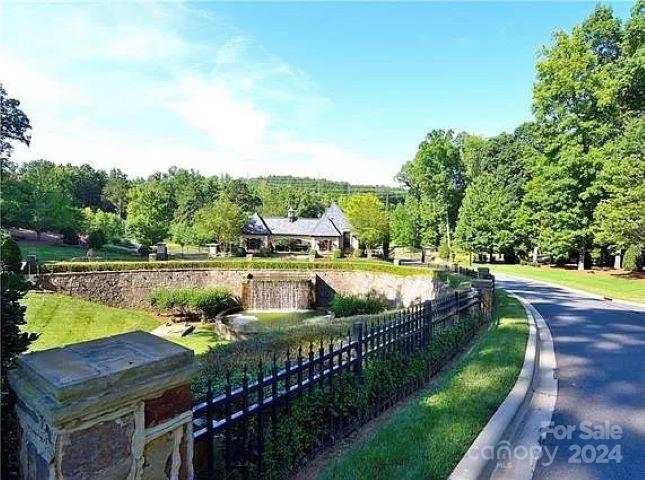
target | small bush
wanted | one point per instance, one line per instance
(349, 305)
(144, 250)
(238, 252)
(264, 252)
(11, 255)
(70, 236)
(336, 253)
(207, 302)
(633, 259)
(96, 239)
(358, 253)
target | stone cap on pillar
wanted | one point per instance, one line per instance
(64, 384)
(482, 283)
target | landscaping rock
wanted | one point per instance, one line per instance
(173, 330)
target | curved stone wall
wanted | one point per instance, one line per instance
(130, 288)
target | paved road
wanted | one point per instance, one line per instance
(600, 351)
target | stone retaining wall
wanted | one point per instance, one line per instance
(130, 288)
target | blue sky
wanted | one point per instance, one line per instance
(335, 90)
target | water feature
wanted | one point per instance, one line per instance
(278, 292)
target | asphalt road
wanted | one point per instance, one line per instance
(600, 352)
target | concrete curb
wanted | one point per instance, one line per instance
(526, 432)
(595, 296)
(476, 462)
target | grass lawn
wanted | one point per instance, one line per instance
(609, 284)
(427, 438)
(61, 320)
(61, 253)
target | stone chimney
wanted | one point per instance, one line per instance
(291, 214)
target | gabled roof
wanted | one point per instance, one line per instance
(332, 224)
(307, 227)
(337, 216)
(256, 226)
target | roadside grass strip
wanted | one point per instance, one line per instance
(607, 284)
(427, 438)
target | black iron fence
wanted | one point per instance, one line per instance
(232, 428)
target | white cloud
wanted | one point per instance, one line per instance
(237, 109)
(235, 125)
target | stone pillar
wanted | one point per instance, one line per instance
(485, 287)
(162, 251)
(483, 272)
(618, 260)
(114, 408)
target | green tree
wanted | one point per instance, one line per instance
(84, 184)
(115, 191)
(39, 200)
(403, 224)
(14, 342)
(112, 226)
(620, 218)
(486, 216)
(150, 212)
(576, 108)
(632, 72)
(221, 222)
(238, 191)
(368, 217)
(10, 254)
(14, 126)
(435, 178)
(184, 234)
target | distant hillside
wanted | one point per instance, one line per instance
(336, 188)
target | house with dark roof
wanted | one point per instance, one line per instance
(293, 234)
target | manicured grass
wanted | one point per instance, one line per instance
(609, 284)
(61, 253)
(426, 439)
(61, 320)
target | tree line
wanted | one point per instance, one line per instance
(570, 183)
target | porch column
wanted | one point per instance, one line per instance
(117, 407)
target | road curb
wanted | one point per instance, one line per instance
(595, 296)
(476, 463)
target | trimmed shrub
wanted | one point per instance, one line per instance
(96, 239)
(236, 264)
(238, 252)
(358, 253)
(264, 252)
(336, 253)
(70, 236)
(633, 259)
(11, 255)
(144, 250)
(349, 305)
(207, 302)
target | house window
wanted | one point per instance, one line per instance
(253, 243)
(324, 245)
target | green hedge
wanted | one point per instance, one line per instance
(208, 302)
(237, 264)
(349, 305)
